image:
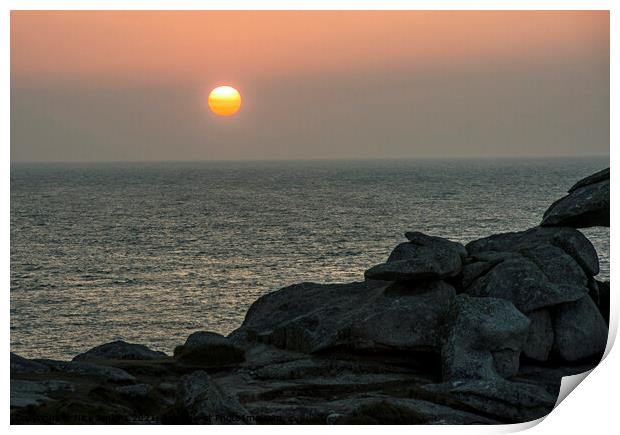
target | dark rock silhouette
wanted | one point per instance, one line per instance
(209, 349)
(119, 350)
(438, 334)
(423, 257)
(23, 365)
(571, 241)
(586, 205)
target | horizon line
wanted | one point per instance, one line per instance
(336, 159)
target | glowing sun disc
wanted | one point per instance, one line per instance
(224, 100)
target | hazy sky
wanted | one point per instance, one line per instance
(133, 85)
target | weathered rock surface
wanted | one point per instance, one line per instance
(423, 257)
(359, 316)
(485, 339)
(210, 349)
(580, 330)
(586, 205)
(120, 350)
(206, 403)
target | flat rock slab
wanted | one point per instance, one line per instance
(90, 370)
(513, 402)
(33, 393)
(312, 317)
(367, 409)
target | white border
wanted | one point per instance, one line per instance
(592, 409)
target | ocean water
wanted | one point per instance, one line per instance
(152, 252)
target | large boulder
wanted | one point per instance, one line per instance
(586, 205)
(210, 349)
(120, 350)
(366, 315)
(570, 240)
(423, 257)
(485, 339)
(531, 284)
(580, 331)
(204, 402)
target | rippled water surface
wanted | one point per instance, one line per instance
(152, 252)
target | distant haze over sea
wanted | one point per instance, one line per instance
(150, 252)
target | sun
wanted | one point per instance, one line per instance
(224, 101)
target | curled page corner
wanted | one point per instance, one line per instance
(568, 384)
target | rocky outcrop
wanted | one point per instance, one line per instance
(586, 205)
(120, 350)
(438, 334)
(209, 349)
(531, 284)
(364, 316)
(571, 241)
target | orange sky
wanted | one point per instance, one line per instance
(137, 46)
(125, 85)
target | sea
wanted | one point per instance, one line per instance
(151, 252)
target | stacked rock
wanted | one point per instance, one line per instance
(483, 307)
